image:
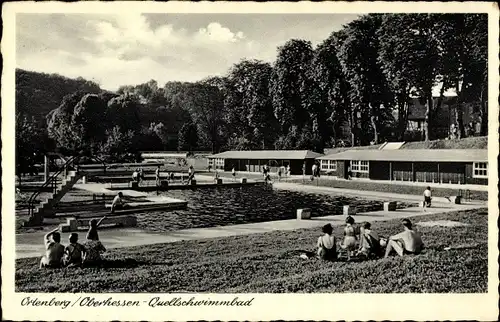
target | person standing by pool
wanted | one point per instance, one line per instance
(327, 245)
(407, 242)
(54, 250)
(427, 198)
(157, 174)
(135, 176)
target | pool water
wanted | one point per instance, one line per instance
(211, 207)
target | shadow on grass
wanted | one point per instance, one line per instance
(116, 263)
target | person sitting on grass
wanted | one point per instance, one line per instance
(93, 251)
(369, 244)
(327, 245)
(407, 242)
(93, 225)
(350, 237)
(118, 202)
(427, 198)
(74, 253)
(54, 250)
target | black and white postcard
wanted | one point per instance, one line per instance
(250, 161)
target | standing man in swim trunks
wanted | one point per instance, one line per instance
(427, 197)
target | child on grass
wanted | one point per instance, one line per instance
(74, 253)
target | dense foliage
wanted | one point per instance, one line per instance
(356, 85)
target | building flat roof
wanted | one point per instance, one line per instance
(267, 155)
(418, 155)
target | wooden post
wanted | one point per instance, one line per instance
(439, 176)
(413, 171)
(390, 171)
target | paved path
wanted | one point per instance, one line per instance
(384, 196)
(31, 244)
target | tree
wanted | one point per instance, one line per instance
(331, 86)
(368, 89)
(248, 106)
(205, 102)
(290, 84)
(119, 145)
(78, 124)
(188, 137)
(464, 41)
(410, 58)
(123, 111)
(30, 143)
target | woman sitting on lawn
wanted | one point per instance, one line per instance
(94, 224)
(93, 247)
(327, 248)
(350, 236)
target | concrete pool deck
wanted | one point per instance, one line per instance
(31, 244)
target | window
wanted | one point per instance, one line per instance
(211, 162)
(333, 165)
(359, 166)
(324, 164)
(328, 165)
(480, 170)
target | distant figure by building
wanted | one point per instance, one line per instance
(349, 173)
(407, 242)
(279, 173)
(427, 197)
(209, 168)
(54, 251)
(304, 169)
(233, 171)
(288, 173)
(314, 166)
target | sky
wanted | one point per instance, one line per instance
(133, 48)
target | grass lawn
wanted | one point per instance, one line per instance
(270, 263)
(480, 142)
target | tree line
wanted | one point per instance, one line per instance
(361, 77)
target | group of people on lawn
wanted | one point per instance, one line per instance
(74, 254)
(363, 241)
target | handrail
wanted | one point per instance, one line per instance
(50, 180)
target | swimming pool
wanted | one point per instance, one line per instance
(228, 206)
